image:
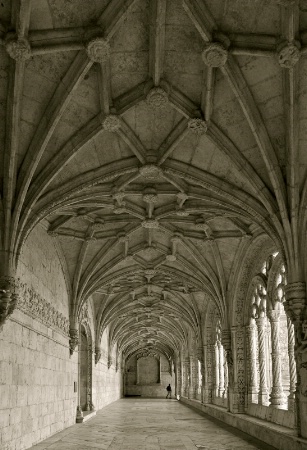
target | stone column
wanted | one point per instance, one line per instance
(207, 375)
(9, 294)
(252, 359)
(292, 365)
(295, 307)
(221, 370)
(192, 383)
(263, 394)
(233, 394)
(277, 396)
(187, 376)
(226, 341)
(217, 371)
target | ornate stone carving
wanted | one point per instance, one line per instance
(214, 55)
(111, 123)
(277, 397)
(18, 48)
(110, 361)
(288, 55)
(9, 289)
(150, 198)
(53, 233)
(119, 210)
(198, 126)
(157, 98)
(150, 171)
(74, 340)
(181, 212)
(171, 258)
(35, 306)
(295, 299)
(98, 50)
(97, 354)
(150, 223)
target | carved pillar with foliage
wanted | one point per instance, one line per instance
(252, 362)
(292, 365)
(207, 376)
(263, 385)
(295, 307)
(226, 341)
(277, 396)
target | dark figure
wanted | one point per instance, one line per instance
(169, 391)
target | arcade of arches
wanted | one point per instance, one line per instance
(153, 211)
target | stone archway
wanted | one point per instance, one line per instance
(85, 370)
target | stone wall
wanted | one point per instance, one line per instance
(142, 383)
(37, 373)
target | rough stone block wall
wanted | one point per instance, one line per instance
(37, 373)
(107, 384)
(36, 376)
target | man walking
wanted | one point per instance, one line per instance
(169, 391)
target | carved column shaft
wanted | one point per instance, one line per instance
(252, 359)
(295, 305)
(263, 388)
(217, 370)
(221, 370)
(277, 397)
(292, 365)
(207, 376)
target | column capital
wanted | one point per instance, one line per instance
(273, 315)
(295, 294)
(260, 321)
(9, 294)
(74, 339)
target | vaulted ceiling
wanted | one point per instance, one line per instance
(155, 140)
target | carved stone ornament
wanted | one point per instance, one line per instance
(150, 198)
(98, 354)
(182, 212)
(98, 50)
(74, 340)
(32, 304)
(288, 55)
(198, 126)
(295, 299)
(9, 287)
(214, 55)
(111, 123)
(157, 98)
(171, 258)
(150, 171)
(150, 223)
(18, 49)
(110, 361)
(53, 233)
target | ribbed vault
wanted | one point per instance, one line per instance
(155, 141)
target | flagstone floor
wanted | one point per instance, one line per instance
(146, 424)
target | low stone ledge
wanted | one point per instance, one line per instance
(87, 415)
(280, 437)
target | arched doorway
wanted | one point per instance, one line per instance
(85, 371)
(83, 367)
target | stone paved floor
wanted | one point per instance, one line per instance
(143, 424)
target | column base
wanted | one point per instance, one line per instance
(79, 417)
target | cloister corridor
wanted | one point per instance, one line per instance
(153, 224)
(151, 424)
